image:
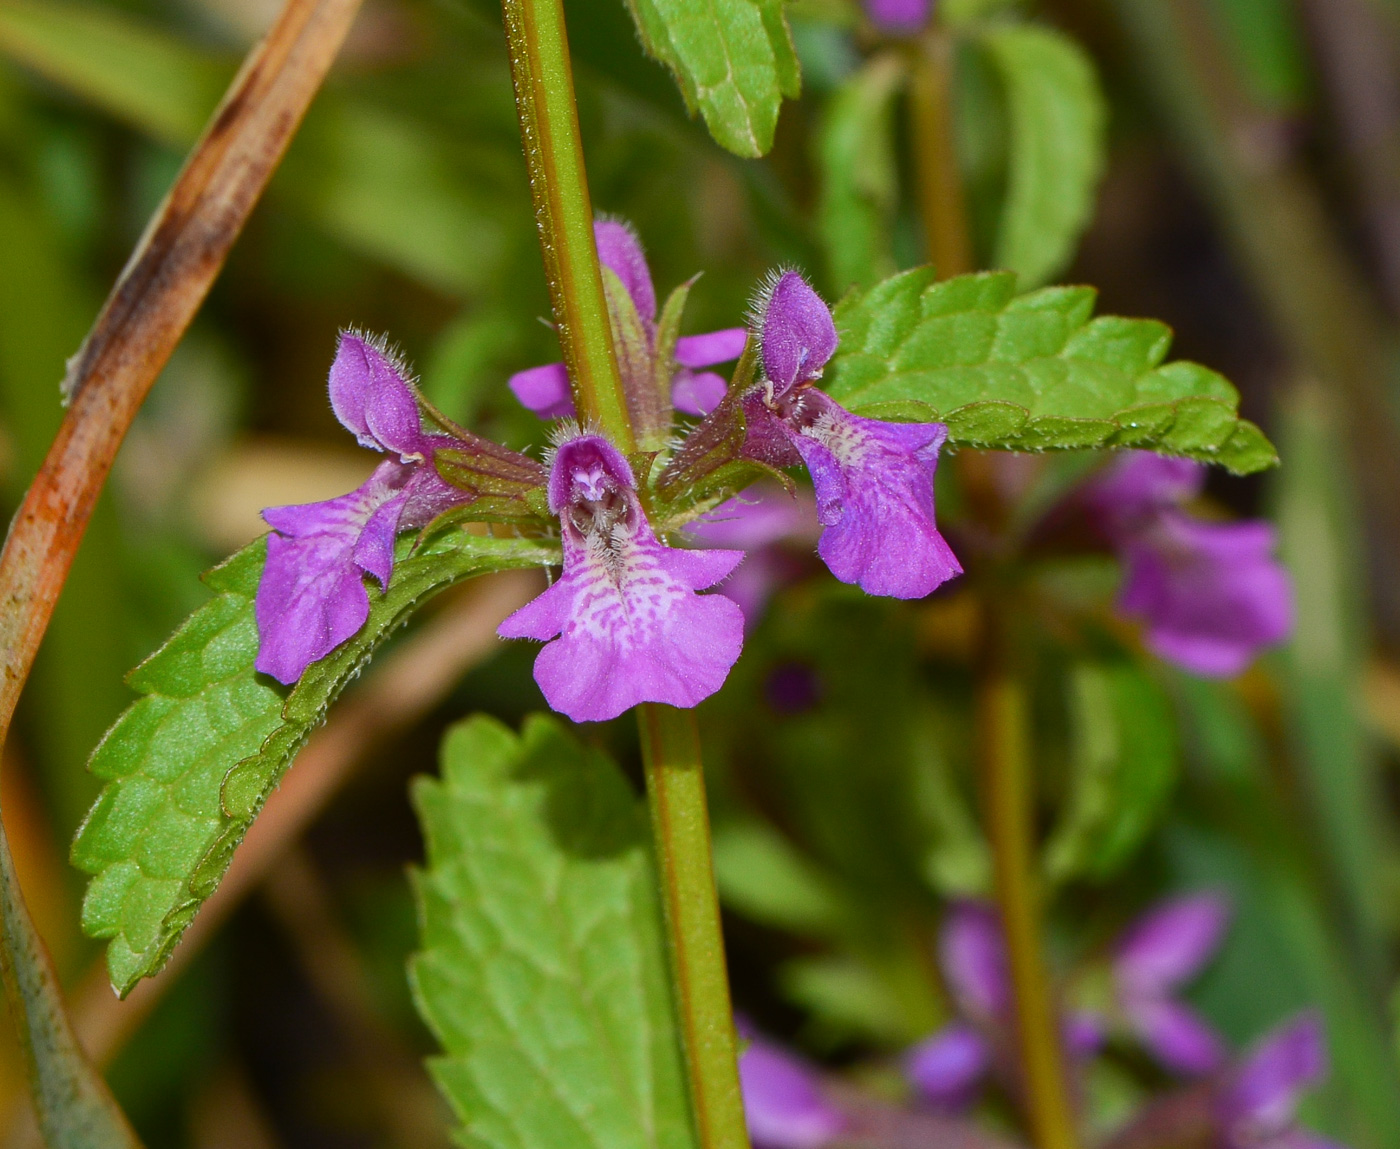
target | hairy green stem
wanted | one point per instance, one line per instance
(544, 99)
(1005, 769)
(681, 829)
(544, 96)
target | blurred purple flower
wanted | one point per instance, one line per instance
(783, 1101)
(757, 521)
(1211, 594)
(1257, 1105)
(630, 627)
(312, 595)
(545, 390)
(898, 17)
(948, 1068)
(873, 480)
(1160, 952)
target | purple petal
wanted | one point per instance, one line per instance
(1139, 483)
(620, 249)
(1302, 1139)
(898, 17)
(973, 957)
(1175, 1035)
(1212, 594)
(798, 333)
(631, 628)
(947, 1067)
(756, 516)
(1170, 943)
(371, 397)
(782, 1101)
(545, 391)
(874, 485)
(1263, 1095)
(588, 468)
(711, 348)
(696, 394)
(312, 595)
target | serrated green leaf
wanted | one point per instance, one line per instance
(1057, 115)
(859, 184)
(189, 765)
(543, 971)
(732, 59)
(73, 1105)
(1123, 763)
(1031, 372)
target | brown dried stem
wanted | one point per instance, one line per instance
(148, 310)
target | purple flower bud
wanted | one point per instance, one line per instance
(1211, 594)
(783, 1103)
(621, 250)
(797, 332)
(898, 17)
(545, 390)
(312, 595)
(630, 626)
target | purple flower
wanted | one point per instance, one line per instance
(312, 595)
(898, 17)
(1257, 1105)
(873, 480)
(1211, 594)
(783, 1102)
(1160, 952)
(948, 1067)
(632, 306)
(630, 626)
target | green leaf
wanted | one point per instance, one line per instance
(732, 59)
(1056, 116)
(543, 972)
(859, 183)
(72, 1102)
(136, 70)
(188, 766)
(1031, 372)
(1123, 764)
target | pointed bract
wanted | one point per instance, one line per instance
(630, 627)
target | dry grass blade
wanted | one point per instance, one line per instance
(146, 313)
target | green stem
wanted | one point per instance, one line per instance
(941, 202)
(681, 829)
(1005, 768)
(544, 95)
(544, 100)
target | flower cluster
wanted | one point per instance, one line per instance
(1211, 593)
(1250, 1103)
(625, 622)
